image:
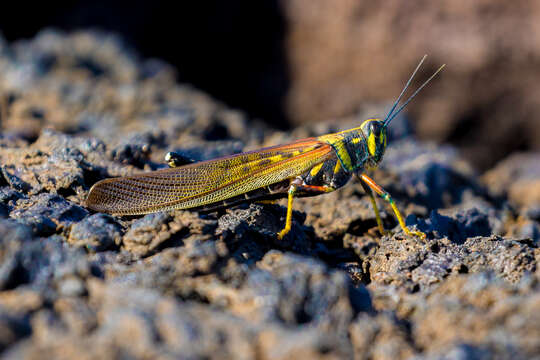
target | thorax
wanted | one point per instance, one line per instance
(350, 147)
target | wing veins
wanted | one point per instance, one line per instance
(149, 183)
(192, 197)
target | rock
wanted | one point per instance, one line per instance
(298, 280)
(135, 149)
(21, 301)
(435, 177)
(48, 214)
(210, 150)
(526, 230)
(517, 177)
(414, 265)
(57, 163)
(282, 343)
(380, 337)
(77, 314)
(459, 227)
(463, 351)
(159, 230)
(13, 240)
(335, 214)
(13, 180)
(71, 286)
(139, 322)
(260, 222)
(13, 328)
(484, 311)
(39, 263)
(8, 199)
(98, 232)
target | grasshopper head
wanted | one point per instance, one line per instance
(375, 134)
(375, 129)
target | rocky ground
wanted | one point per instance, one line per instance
(75, 284)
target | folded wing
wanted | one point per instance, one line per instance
(205, 182)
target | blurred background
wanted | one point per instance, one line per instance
(292, 62)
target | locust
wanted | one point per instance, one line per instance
(306, 167)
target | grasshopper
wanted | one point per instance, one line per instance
(306, 167)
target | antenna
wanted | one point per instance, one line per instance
(391, 114)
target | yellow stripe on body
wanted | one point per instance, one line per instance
(337, 167)
(337, 143)
(315, 170)
(372, 146)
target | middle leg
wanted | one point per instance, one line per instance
(297, 186)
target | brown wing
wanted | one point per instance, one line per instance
(205, 182)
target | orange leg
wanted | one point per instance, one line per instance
(314, 188)
(386, 196)
(267, 202)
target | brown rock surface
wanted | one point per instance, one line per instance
(519, 177)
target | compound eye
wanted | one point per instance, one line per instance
(375, 128)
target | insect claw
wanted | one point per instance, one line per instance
(282, 233)
(416, 233)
